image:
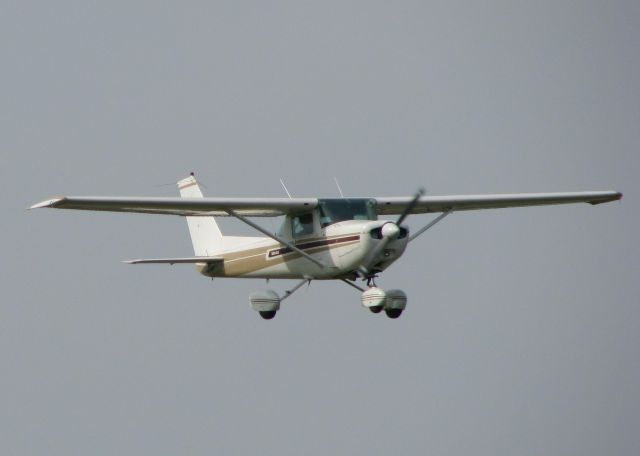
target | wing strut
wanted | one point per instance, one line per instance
(233, 213)
(430, 224)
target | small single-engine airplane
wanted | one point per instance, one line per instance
(320, 238)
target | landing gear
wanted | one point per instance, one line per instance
(392, 302)
(267, 302)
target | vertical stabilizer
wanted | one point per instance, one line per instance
(205, 234)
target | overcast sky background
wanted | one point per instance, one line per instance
(521, 333)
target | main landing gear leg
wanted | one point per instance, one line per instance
(294, 289)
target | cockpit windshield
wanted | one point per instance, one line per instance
(334, 210)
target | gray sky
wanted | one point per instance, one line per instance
(521, 332)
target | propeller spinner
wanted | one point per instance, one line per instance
(389, 232)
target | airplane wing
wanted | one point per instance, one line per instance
(192, 260)
(427, 204)
(272, 207)
(249, 207)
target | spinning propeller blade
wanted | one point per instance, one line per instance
(410, 206)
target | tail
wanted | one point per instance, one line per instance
(205, 234)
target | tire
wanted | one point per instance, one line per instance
(267, 314)
(393, 313)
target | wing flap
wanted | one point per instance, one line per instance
(396, 205)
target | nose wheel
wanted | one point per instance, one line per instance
(393, 302)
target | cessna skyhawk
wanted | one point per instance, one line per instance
(320, 238)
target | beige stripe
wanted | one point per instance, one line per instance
(240, 263)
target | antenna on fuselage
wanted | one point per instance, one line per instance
(335, 179)
(285, 189)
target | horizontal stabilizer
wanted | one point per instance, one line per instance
(188, 260)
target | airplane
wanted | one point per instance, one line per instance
(319, 239)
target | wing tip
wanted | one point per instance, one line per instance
(47, 203)
(614, 196)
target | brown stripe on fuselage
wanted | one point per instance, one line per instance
(252, 260)
(312, 245)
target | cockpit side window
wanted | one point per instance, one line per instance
(302, 225)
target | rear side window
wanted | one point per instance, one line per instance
(302, 225)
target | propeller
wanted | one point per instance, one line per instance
(388, 232)
(410, 206)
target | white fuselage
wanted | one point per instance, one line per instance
(342, 247)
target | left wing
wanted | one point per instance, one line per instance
(249, 207)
